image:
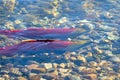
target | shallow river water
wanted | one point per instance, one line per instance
(97, 21)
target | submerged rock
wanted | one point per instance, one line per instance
(91, 76)
(115, 59)
(15, 71)
(35, 77)
(46, 65)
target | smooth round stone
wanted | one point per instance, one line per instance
(89, 54)
(93, 64)
(73, 58)
(46, 65)
(115, 59)
(35, 77)
(103, 63)
(91, 76)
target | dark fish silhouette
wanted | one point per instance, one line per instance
(39, 46)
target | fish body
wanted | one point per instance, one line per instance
(43, 40)
(42, 33)
(40, 46)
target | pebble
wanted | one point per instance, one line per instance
(62, 65)
(89, 54)
(9, 25)
(46, 65)
(88, 70)
(64, 74)
(49, 77)
(118, 75)
(21, 78)
(107, 28)
(108, 53)
(81, 58)
(15, 71)
(6, 76)
(42, 70)
(91, 76)
(35, 77)
(70, 65)
(32, 66)
(98, 68)
(108, 78)
(103, 63)
(111, 36)
(32, 74)
(9, 5)
(24, 70)
(2, 78)
(42, 79)
(55, 72)
(93, 64)
(115, 59)
(55, 65)
(17, 21)
(98, 50)
(61, 70)
(73, 58)
(4, 71)
(36, 69)
(73, 53)
(0, 66)
(72, 77)
(63, 20)
(81, 68)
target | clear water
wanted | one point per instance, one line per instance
(100, 20)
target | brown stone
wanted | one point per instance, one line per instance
(32, 66)
(89, 70)
(91, 76)
(21, 78)
(54, 73)
(93, 64)
(42, 70)
(35, 77)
